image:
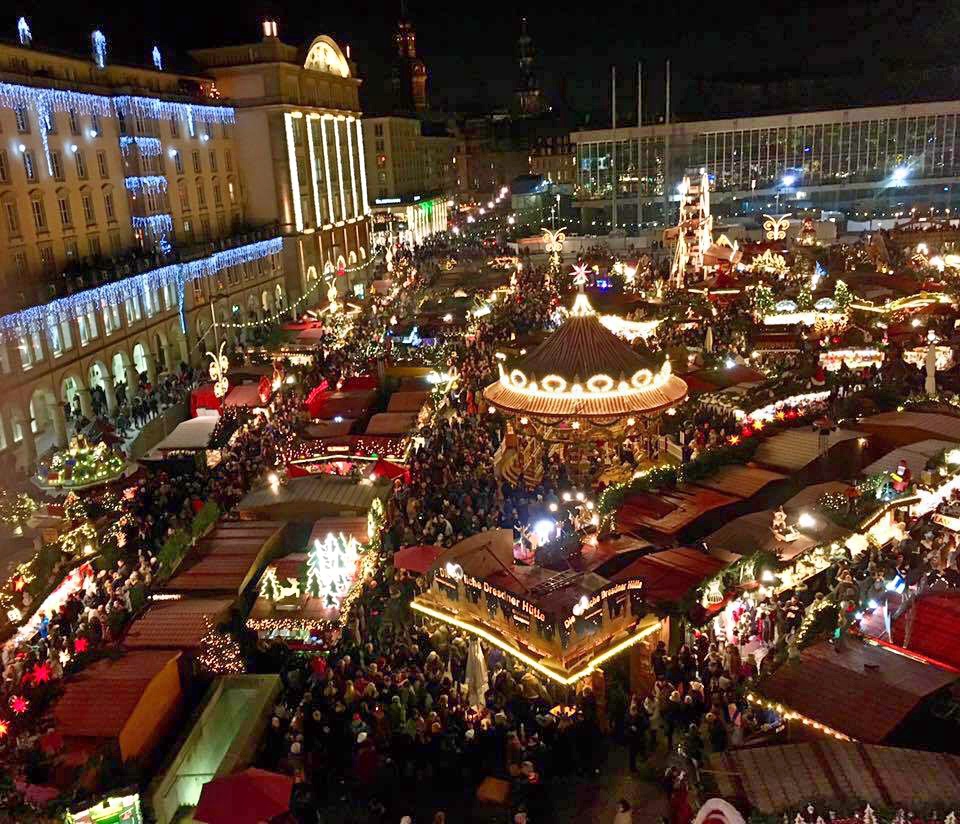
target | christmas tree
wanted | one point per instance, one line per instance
(805, 298)
(219, 652)
(763, 300)
(270, 585)
(841, 294)
(331, 567)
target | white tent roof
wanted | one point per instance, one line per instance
(192, 434)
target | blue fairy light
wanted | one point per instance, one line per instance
(37, 318)
(98, 41)
(23, 32)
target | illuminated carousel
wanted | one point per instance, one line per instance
(581, 396)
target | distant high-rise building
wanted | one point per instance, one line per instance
(409, 76)
(528, 97)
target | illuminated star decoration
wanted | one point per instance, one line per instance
(4, 728)
(19, 704)
(80, 645)
(580, 277)
(41, 673)
(64, 658)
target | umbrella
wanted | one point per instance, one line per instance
(247, 797)
(477, 678)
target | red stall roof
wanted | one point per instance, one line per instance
(863, 691)
(936, 627)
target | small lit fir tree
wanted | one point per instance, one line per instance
(219, 652)
(805, 298)
(763, 301)
(841, 295)
(270, 585)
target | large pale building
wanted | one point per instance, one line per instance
(133, 214)
(411, 177)
(301, 146)
(854, 159)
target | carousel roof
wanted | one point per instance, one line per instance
(584, 370)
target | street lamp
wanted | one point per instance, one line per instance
(787, 181)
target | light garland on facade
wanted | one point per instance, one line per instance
(155, 109)
(147, 146)
(597, 386)
(152, 184)
(154, 224)
(37, 318)
(45, 102)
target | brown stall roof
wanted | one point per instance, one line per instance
(914, 425)
(742, 481)
(753, 532)
(392, 423)
(863, 691)
(407, 401)
(357, 527)
(329, 428)
(176, 624)
(226, 559)
(773, 779)
(677, 509)
(312, 497)
(796, 448)
(669, 575)
(97, 702)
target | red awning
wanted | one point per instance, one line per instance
(360, 382)
(416, 559)
(392, 471)
(203, 397)
(247, 797)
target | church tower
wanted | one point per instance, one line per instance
(528, 97)
(410, 73)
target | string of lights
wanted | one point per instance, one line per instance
(37, 318)
(153, 184)
(147, 146)
(154, 224)
(45, 101)
(278, 315)
(275, 317)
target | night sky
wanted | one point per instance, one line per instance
(469, 48)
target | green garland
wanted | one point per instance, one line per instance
(669, 476)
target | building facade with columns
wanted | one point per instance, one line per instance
(123, 233)
(301, 146)
(411, 177)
